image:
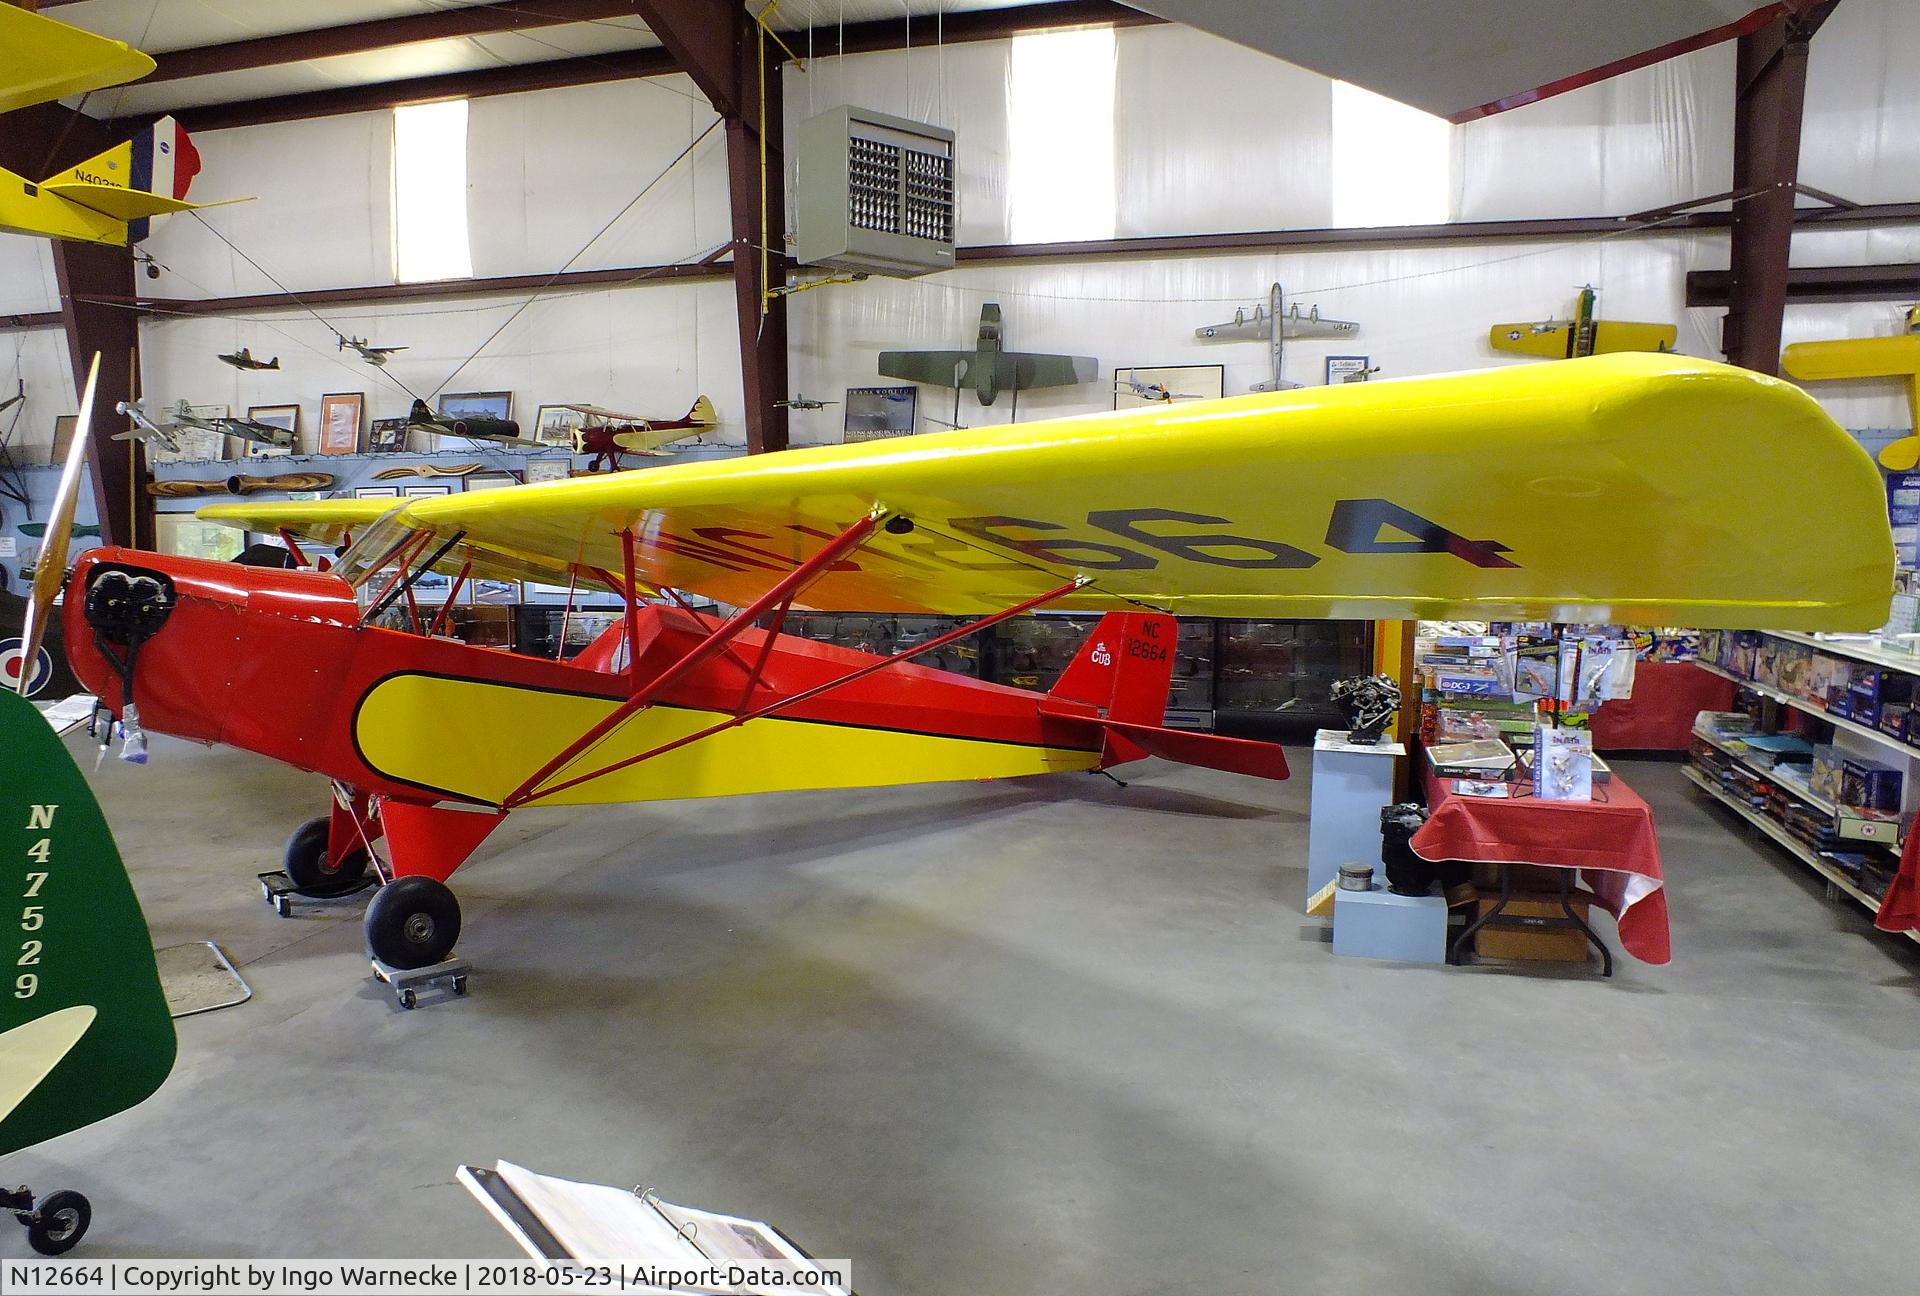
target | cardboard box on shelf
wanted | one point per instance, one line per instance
(1869, 785)
(1522, 941)
(1793, 669)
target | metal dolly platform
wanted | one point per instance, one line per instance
(279, 891)
(406, 982)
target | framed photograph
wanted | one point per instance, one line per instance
(423, 492)
(284, 417)
(539, 470)
(63, 427)
(876, 412)
(188, 536)
(556, 425)
(376, 492)
(468, 404)
(491, 480)
(1163, 384)
(1346, 369)
(386, 435)
(340, 414)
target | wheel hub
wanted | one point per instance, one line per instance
(62, 1223)
(419, 928)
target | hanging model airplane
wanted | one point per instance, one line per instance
(1874, 357)
(988, 368)
(160, 430)
(1386, 499)
(610, 435)
(799, 401)
(1156, 392)
(1583, 335)
(476, 427)
(243, 359)
(373, 355)
(1274, 325)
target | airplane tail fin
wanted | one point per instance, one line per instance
(702, 415)
(84, 1027)
(143, 177)
(1124, 671)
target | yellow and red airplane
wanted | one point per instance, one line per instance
(108, 198)
(1583, 335)
(1590, 490)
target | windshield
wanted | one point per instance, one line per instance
(374, 550)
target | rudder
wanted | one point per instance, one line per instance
(1125, 668)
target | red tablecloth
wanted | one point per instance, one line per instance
(1900, 909)
(1659, 715)
(1611, 842)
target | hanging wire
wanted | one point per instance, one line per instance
(535, 296)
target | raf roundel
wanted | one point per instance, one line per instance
(13, 660)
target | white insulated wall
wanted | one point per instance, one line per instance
(1210, 138)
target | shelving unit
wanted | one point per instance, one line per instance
(1837, 882)
(1905, 749)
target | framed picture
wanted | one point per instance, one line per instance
(876, 412)
(1161, 384)
(340, 414)
(63, 427)
(491, 480)
(188, 536)
(386, 435)
(422, 492)
(556, 425)
(468, 404)
(376, 492)
(284, 417)
(539, 470)
(1346, 369)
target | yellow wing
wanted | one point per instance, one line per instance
(330, 521)
(1875, 357)
(42, 60)
(1589, 490)
(120, 203)
(1553, 340)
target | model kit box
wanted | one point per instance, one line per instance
(1828, 680)
(1869, 785)
(1793, 669)
(1746, 645)
(1766, 661)
(1867, 825)
(1823, 775)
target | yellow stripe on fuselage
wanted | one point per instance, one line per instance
(479, 740)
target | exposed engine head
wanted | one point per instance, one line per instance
(127, 605)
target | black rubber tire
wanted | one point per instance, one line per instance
(309, 869)
(413, 922)
(63, 1221)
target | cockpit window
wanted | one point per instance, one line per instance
(375, 550)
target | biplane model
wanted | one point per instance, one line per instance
(609, 435)
(111, 197)
(373, 355)
(1583, 335)
(1494, 495)
(244, 359)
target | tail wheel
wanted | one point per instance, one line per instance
(59, 1223)
(313, 871)
(412, 923)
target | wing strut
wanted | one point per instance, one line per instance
(716, 642)
(782, 704)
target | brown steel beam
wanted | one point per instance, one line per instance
(866, 37)
(738, 68)
(1855, 283)
(33, 320)
(1769, 102)
(554, 74)
(379, 34)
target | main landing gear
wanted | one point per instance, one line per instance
(55, 1224)
(413, 922)
(314, 872)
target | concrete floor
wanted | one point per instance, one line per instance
(1048, 1036)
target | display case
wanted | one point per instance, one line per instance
(1274, 668)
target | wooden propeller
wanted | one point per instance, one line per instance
(50, 569)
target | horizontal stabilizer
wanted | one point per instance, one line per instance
(1210, 751)
(111, 200)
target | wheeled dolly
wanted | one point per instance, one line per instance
(55, 1224)
(279, 891)
(406, 982)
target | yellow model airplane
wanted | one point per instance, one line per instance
(108, 198)
(1583, 335)
(1875, 357)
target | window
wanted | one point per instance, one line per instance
(1060, 181)
(430, 192)
(1392, 165)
